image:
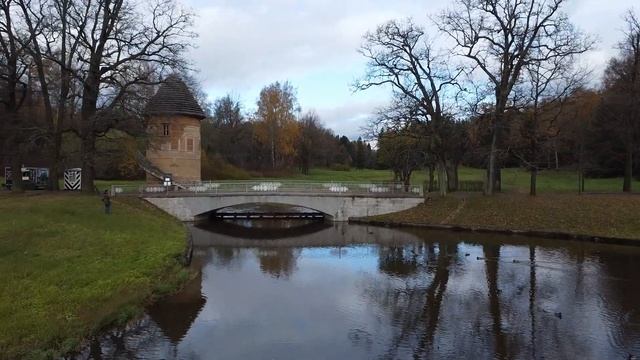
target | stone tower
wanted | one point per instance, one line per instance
(173, 124)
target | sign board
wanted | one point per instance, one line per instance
(42, 176)
(73, 179)
(32, 177)
(7, 174)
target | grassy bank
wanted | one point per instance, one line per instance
(68, 269)
(596, 215)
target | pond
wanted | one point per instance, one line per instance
(308, 290)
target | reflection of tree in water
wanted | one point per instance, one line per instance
(532, 298)
(492, 259)
(398, 260)
(224, 256)
(620, 293)
(415, 305)
(277, 262)
(140, 337)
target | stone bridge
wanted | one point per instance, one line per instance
(338, 201)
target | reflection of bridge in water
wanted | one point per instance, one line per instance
(309, 235)
(338, 201)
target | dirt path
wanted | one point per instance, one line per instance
(455, 212)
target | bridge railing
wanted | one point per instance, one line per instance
(272, 186)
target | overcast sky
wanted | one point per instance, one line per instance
(244, 45)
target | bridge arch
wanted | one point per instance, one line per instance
(264, 207)
(337, 207)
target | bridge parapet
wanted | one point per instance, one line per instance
(213, 188)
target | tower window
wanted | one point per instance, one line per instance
(190, 145)
(165, 129)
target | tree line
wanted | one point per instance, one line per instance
(75, 77)
(75, 72)
(500, 84)
(276, 137)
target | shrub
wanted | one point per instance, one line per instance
(216, 168)
(340, 167)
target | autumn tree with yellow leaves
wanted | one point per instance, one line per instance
(275, 126)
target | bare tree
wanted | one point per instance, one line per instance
(117, 46)
(622, 94)
(546, 87)
(402, 151)
(401, 56)
(500, 38)
(53, 53)
(13, 89)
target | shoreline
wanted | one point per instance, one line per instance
(486, 230)
(606, 219)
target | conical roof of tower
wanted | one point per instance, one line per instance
(174, 98)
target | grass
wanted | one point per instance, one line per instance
(100, 184)
(513, 179)
(103, 185)
(603, 215)
(68, 269)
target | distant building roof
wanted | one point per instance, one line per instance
(174, 98)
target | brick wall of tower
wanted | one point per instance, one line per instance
(175, 147)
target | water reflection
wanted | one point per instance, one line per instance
(175, 314)
(277, 262)
(358, 292)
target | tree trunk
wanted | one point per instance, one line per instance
(54, 171)
(492, 163)
(580, 180)
(88, 114)
(273, 154)
(431, 178)
(628, 170)
(497, 182)
(534, 178)
(452, 176)
(581, 166)
(16, 171)
(88, 151)
(442, 178)
(397, 176)
(407, 183)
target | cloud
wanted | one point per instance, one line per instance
(349, 118)
(245, 45)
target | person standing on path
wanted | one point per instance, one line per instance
(106, 200)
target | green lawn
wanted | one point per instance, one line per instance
(100, 184)
(513, 179)
(68, 269)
